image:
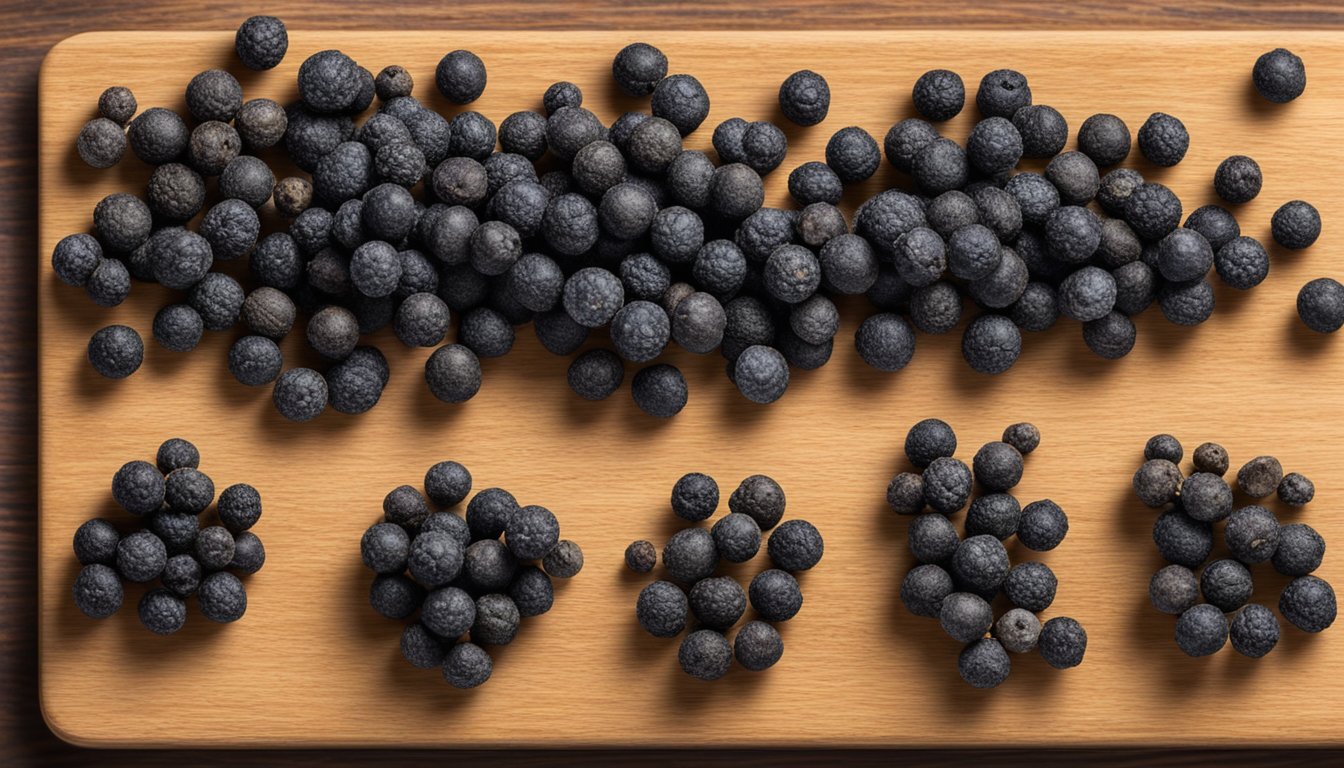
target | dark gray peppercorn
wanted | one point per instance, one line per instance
(488, 565)
(453, 373)
(905, 140)
(638, 68)
(178, 530)
(1031, 586)
(994, 146)
(450, 523)
(564, 561)
(486, 332)
(421, 647)
(110, 283)
(1063, 642)
(1320, 305)
(1211, 457)
(885, 341)
(695, 496)
(1201, 631)
(973, 252)
(122, 221)
(140, 556)
(1135, 287)
(214, 548)
(1018, 630)
(1042, 526)
(924, 589)
(761, 374)
(705, 654)
(239, 507)
(1296, 490)
(460, 77)
(1296, 225)
(933, 539)
(214, 95)
(1023, 436)
(395, 596)
(447, 483)
(688, 178)
(1215, 223)
(405, 506)
(385, 547)
(218, 299)
(991, 344)
(1163, 139)
(997, 466)
(1242, 263)
(661, 609)
(1237, 179)
(757, 646)
(561, 94)
(980, 563)
(262, 123)
(852, 154)
(1184, 255)
(393, 81)
(435, 558)
(1300, 550)
(1035, 196)
(96, 542)
(737, 537)
(775, 595)
(97, 591)
(532, 592)
(1308, 603)
(158, 136)
(681, 100)
(1181, 539)
(939, 95)
(255, 360)
(690, 555)
(1207, 498)
(116, 351)
(182, 574)
(996, 514)
(795, 545)
(1163, 447)
(920, 254)
(1002, 93)
(698, 322)
(805, 97)
(1105, 139)
(531, 532)
(1252, 534)
(101, 143)
(1279, 75)
(1187, 303)
(1152, 210)
(928, 440)
(117, 104)
(659, 390)
(936, 308)
(939, 166)
(641, 556)
(75, 258)
(138, 488)
(1174, 590)
(467, 666)
(1260, 476)
(760, 498)
(718, 602)
(489, 512)
(261, 42)
(1254, 631)
(965, 617)
(1044, 131)
(1226, 584)
(1072, 234)
(984, 663)
(300, 394)
(905, 493)
(596, 374)
(947, 484)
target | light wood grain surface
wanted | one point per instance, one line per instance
(311, 664)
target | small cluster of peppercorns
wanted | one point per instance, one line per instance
(462, 579)
(692, 556)
(168, 498)
(1184, 534)
(958, 579)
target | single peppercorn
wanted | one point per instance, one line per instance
(1279, 75)
(641, 556)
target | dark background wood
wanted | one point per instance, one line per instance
(28, 29)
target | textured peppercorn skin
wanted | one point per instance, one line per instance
(775, 595)
(965, 617)
(924, 589)
(695, 496)
(805, 97)
(1296, 225)
(1242, 263)
(659, 390)
(939, 95)
(661, 609)
(261, 42)
(984, 663)
(1320, 305)
(97, 591)
(1254, 631)
(1226, 584)
(1031, 585)
(116, 351)
(467, 666)
(1002, 93)
(947, 484)
(1201, 631)
(638, 68)
(1182, 540)
(1163, 139)
(1279, 75)
(1043, 525)
(991, 344)
(852, 154)
(980, 563)
(1063, 642)
(1308, 603)
(682, 101)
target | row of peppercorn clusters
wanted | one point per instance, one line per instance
(167, 500)
(633, 233)
(462, 579)
(692, 556)
(958, 580)
(1184, 534)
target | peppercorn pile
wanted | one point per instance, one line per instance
(168, 499)
(449, 575)
(1185, 531)
(958, 579)
(691, 559)
(578, 226)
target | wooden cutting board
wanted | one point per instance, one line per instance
(311, 664)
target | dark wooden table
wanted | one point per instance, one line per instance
(28, 29)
